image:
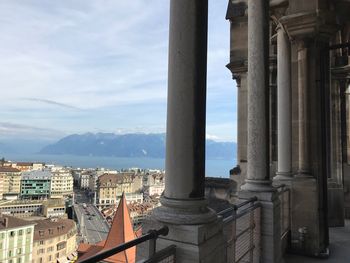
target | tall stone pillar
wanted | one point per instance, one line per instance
(284, 122)
(304, 155)
(185, 139)
(258, 182)
(258, 93)
(193, 227)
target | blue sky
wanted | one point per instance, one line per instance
(100, 66)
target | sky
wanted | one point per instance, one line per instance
(100, 66)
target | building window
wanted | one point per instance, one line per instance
(20, 232)
(19, 251)
(41, 242)
(29, 230)
(19, 260)
(41, 233)
(12, 233)
(10, 253)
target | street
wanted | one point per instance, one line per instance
(94, 228)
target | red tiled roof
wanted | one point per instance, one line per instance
(121, 231)
(83, 247)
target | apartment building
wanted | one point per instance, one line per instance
(61, 184)
(54, 241)
(16, 240)
(35, 184)
(11, 177)
(110, 187)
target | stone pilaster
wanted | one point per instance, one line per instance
(303, 87)
(284, 122)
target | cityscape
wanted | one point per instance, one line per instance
(50, 213)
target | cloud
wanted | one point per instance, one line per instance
(51, 102)
(211, 137)
(15, 130)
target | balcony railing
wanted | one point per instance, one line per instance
(284, 197)
(243, 233)
(166, 255)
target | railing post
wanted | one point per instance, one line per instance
(234, 230)
(152, 247)
(251, 225)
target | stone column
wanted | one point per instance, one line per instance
(195, 229)
(185, 138)
(258, 183)
(284, 114)
(258, 94)
(304, 158)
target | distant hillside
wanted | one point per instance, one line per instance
(128, 145)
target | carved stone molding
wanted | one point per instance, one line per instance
(238, 67)
(319, 24)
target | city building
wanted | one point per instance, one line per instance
(121, 231)
(12, 182)
(21, 208)
(84, 180)
(61, 184)
(54, 241)
(29, 208)
(36, 184)
(154, 184)
(110, 188)
(28, 166)
(54, 207)
(16, 239)
(76, 176)
(93, 182)
(2, 181)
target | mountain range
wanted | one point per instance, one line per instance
(128, 145)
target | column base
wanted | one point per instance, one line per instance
(258, 186)
(283, 176)
(184, 212)
(303, 174)
(307, 226)
(194, 243)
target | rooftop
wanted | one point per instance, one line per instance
(38, 175)
(49, 228)
(8, 169)
(7, 222)
(115, 178)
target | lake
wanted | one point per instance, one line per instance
(214, 168)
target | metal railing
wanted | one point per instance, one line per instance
(243, 232)
(284, 197)
(163, 256)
